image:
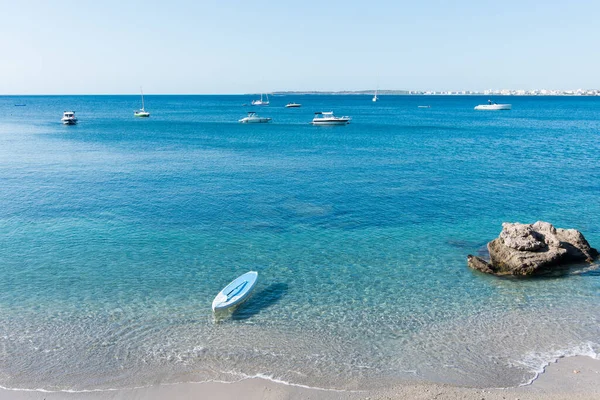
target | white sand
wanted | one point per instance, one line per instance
(574, 378)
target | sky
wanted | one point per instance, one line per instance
(228, 47)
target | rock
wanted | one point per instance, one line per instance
(576, 245)
(525, 249)
(521, 237)
(480, 264)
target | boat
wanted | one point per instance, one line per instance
(492, 105)
(327, 118)
(261, 102)
(69, 118)
(423, 106)
(236, 292)
(253, 118)
(293, 105)
(141, 112)
(375, 98)
(20, 105)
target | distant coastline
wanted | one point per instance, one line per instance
(503, 92)
(344, 92)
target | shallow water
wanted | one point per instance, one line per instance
(117, 233)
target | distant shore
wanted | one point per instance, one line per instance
(569, 378)
(515, 93)
(574, 93)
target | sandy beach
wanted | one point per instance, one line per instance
(299, 200)
(573, 378)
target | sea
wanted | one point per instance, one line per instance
(117, 233)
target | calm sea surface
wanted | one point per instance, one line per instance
(117, 233)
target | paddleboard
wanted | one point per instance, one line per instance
(236, 292)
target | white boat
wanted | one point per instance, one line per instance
(492, 105)
(261, 102)
(236, 292)
(293, 105)
(375, 98)
(423, 106)
(141, 112)
(253, 118)
(69, 118)
(327, 118)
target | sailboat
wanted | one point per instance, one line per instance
(141, 112)
(375, 98)
(261, 102)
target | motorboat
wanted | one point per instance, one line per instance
(261, 102)
(253, 118)
(69, 118)
(327, 118)
(141, 112)
(423, 106)
(236, 292)
(493, 106)
(293, 105)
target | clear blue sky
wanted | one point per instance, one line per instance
(182, 46)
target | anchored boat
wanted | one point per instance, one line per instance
(253, 118)
(261, 102)
(141, 112)
(327, 118)
(69, 118)
(493, 106)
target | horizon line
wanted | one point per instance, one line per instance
(322, 92)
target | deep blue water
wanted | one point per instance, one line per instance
(117, 233)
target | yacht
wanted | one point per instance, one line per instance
(327, 118)
(141, 112)
(252, 118)
(293, 105)
(69, 118)
(261, 102)
(492, 105)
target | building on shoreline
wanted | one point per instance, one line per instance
(514, 92)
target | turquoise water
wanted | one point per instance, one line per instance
(117, 233)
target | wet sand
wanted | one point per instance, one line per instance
(573, 378)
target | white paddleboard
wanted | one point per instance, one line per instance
(236, 292)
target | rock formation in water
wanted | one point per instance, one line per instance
(526, 249)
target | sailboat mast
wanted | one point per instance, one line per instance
(141, 91)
